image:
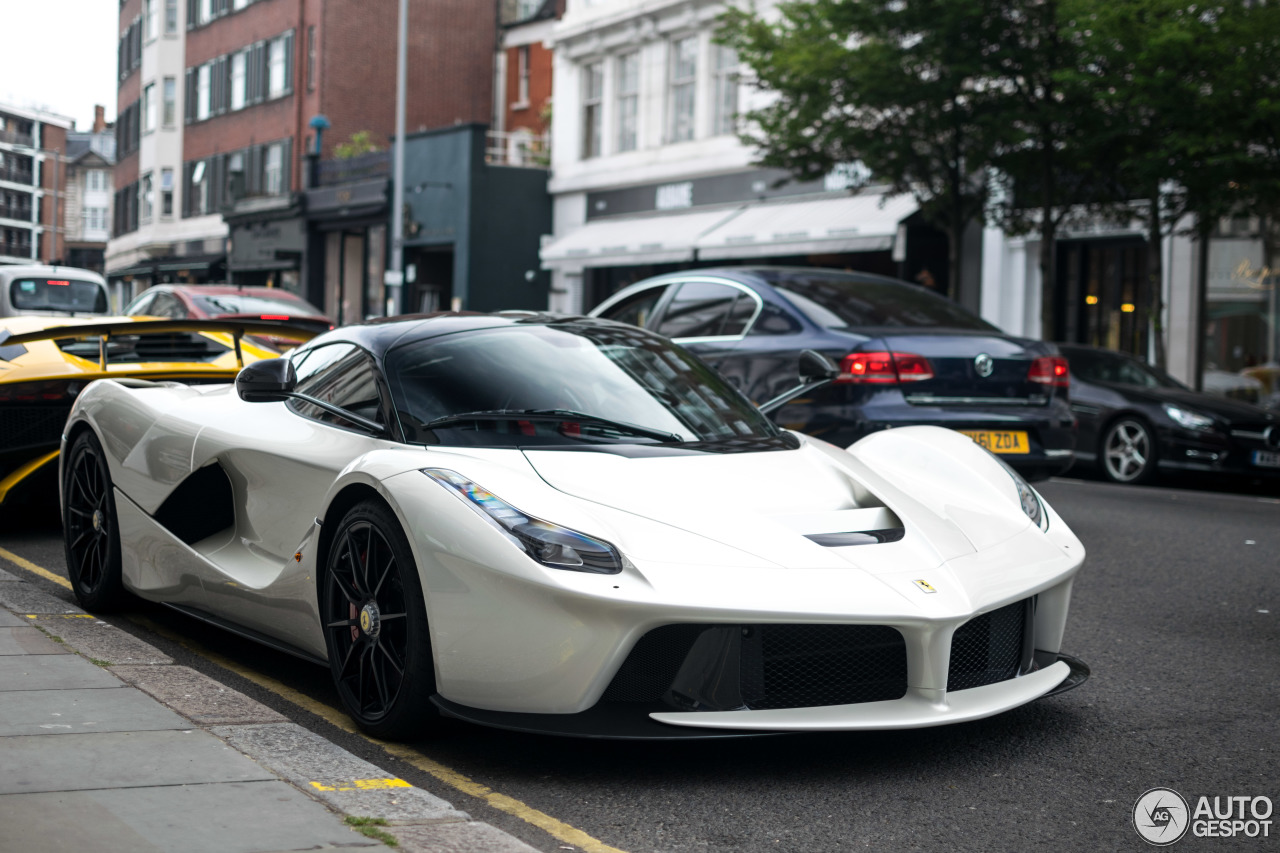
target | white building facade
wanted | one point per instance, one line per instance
(648, 173)
(32, 152)
(150, 237)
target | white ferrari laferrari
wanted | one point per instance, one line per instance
(569, 525)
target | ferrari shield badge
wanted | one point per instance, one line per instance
(925, 586)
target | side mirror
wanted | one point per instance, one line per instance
(268, 381)
(816, 367)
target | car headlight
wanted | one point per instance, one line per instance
(1186, 418)
(1027, 496)
(550, 544)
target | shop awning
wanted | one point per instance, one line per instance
(656, 239)
(856, 223)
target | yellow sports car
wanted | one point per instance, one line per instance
(46, 361)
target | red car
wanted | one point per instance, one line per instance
(211, 301)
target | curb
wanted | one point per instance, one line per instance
(361, 793)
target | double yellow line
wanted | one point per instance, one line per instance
(555, 828)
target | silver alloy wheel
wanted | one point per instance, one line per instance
(1127, 452)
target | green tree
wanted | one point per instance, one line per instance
(888, 85)
(1190, 97)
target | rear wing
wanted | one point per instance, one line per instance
(120, 328)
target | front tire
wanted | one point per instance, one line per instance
(375, 625)
(1128, 452)
(91, 529)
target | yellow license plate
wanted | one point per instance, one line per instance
(999, 441)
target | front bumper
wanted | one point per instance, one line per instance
(918, 709)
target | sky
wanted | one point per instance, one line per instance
(60, 55)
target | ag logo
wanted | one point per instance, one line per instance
(1161, 816)
(984, 364)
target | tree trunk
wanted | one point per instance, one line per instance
(1155, 278)
(1203, 226)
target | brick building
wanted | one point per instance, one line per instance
(33, 145)
(252, 76)
(523, 81)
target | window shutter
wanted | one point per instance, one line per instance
(286, 164)
(253, 167)
(186, 188)
(288, 62)
(189, 103)
(220, 85)
(261, 59)
(193, 13)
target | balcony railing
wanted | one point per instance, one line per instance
(15, 138)
(518, 148)
(22, 214)
(15, 250)
(376, 164)
(18, 176)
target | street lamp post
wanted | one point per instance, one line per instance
(394, 278)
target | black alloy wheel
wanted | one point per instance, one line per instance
(375, 625)
(1128, 452)
(91, 532)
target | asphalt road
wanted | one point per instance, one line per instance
(1175, 610)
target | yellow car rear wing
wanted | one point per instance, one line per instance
(104, 331)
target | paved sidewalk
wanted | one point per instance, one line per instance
(107, 745)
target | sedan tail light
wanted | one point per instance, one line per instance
(1050, 370)
(884, 368)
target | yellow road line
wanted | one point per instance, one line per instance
(555, 828)
(34, 569)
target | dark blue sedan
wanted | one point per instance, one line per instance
(907, 356)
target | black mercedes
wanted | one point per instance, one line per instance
(1136, 420)
(906, 356)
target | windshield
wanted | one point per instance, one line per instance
(619, 378)
(836, 301)
(58, 294)
(1098, 366)
(240, 303)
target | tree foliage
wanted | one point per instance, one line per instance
(1023, 112)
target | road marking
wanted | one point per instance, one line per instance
(34, 569)
(363, 785)
(555, 828)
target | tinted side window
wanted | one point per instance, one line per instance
(350, 382)
(775, 321)
(700, 309)
(141, 305)
(838, 302)
(637, 308)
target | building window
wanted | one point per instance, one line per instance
(276, 67)
(684, 81)
(151, 17)
(199, 200)
(273, 170)
(628, 100)
(206, 12)
(725, 120)
(166, 193)
(527, 8)
(238, 63)
(203, 92)
(95, 180)
(522, 76)
(149, 108)
(311, 58)
(592, 91)
(170, 101)
(170, 16)
(237, 5)
(146, 198)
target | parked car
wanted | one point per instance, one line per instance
(1136, 420)
(908, 356)
(226, 302)
(568, 525)
(45, 362)
(44, 290)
